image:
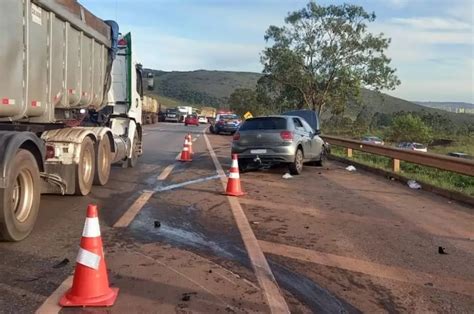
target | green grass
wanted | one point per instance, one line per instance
(463, 144)
(440, 178)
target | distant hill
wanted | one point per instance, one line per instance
(213, 88)
(201, 87)
(451, 106)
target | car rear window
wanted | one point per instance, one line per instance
(228, 116)
(270, 123)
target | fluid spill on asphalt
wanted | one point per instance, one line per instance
(182, 230)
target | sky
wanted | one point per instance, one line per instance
(432, 40)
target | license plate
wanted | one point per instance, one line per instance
(258, 151)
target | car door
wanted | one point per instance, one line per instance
(315, 143)
(304, 137)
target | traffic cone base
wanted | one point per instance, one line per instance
(108, 299)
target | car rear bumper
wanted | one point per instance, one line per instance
(226, 128)
(274, 155)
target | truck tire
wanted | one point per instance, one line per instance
(85, 170)
(132, 162)
(19, 201)
(102, 161)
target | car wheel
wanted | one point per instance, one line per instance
(243, 166)
(296, 167)
(322, 157)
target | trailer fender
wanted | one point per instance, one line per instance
(67, 143)
(10, 142)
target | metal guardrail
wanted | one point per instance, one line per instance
(454, 164)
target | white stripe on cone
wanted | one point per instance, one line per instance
(88, 259)
(235, 163)
(185, 149)
(234, 175)
(91, 228)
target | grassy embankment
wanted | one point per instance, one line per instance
(422, 174)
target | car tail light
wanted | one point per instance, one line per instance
(286, 136)
(50, 151)
(236, 136)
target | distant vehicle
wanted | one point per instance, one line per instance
(202, 119)
(208, 112)
(226, 123)
(373, 140)
(413, 146)
(460, 155)
(291, 138)
(173, 115)
(191, 119)
(161, 116)
(185, 111)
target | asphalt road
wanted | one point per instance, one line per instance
(335, 241)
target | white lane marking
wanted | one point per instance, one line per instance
(166, 172)
(194, 139)
(178, 185)
(51, 305)
(145, 134)
(262, 270)
(130, 214)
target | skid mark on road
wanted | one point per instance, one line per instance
(371, 269)
(262, 270)
(178, 185)
(321, 214)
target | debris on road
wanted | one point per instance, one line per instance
(414, 185)
(351, 168)
(442, 250)
(62, 263)
(287, 176)
(256, 222)
(187, 296)
(157, 224)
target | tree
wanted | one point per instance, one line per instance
(409, 128)
(325, 55)
(243, 100)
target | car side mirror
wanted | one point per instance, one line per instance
(317, 132)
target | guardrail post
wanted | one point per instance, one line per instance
(395, 165)
(349, 152)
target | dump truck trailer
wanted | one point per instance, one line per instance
(149, 110)
(70, 105)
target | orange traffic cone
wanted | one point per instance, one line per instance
(233, 183)
(90, 286)
(190, 141)
(185, 154)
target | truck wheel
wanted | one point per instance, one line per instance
(102, 162)
(19, 201)
(86, 168)
(296, 167)
(132, 162)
